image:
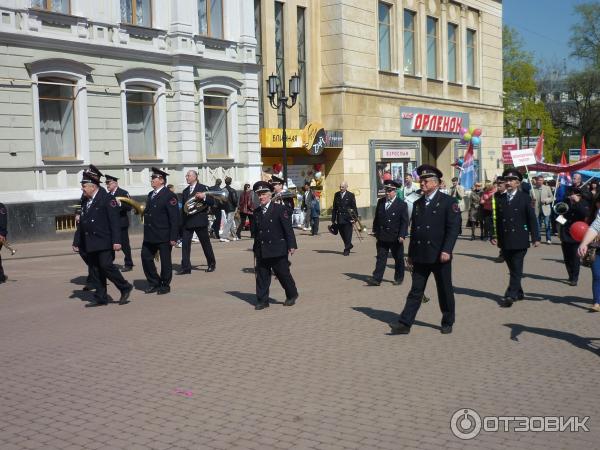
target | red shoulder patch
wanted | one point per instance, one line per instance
(2, 211)
(114, 203)
(455, 207)
(173, 201)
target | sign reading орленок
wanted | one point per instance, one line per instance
(523, 157)
(432, 122)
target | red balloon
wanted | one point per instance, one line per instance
(578, 230)
(318, 167)
(277, 167)
(387, 176)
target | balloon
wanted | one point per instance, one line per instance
(387, 176)
(277, 167)
(578, 230)
(463, 131)
(471, 129)
(318, 175)
(318, 167)
(462, 141)
(461, 162)
(476, 140)
(477, 132)
(467, 136)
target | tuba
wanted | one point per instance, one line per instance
(137, 206)
(193, 205)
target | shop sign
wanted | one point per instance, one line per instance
(405, 153)
(273, 138)
(313, 136)
(334, 138)
(509, 144)
(432, 123)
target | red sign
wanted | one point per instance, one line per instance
(433, 122)
(508, 145)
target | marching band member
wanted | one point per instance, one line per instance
(344, 214)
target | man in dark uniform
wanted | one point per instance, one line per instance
(161, 229)
(216, 210)
(274, 240)
(279, 192)
(435, 225)
(3, 233)
(195, 223)
(579, 210)
(344, 214)
(500, 191)
(515, 222)
(99, 236)
(112, 185)
(390, 227)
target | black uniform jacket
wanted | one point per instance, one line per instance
(99, 227)
(343, 208)
(273, 233)
(578, 211)
(3, 220)
(434, 228)
(390, 224)
(124, 208)
(200, 219)
(515, 221)
(161, 217)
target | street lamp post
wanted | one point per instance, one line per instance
(278, 99)
(538, 125)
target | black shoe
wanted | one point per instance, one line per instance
(96, 303)
(499, 259)
(572, 282)
(520, 296)
(373, 282)
(125, 295)
(506, 302)
(261, 305)
(398, 282)
(291, 301)
(472, 238)
(183, 272)
(211, 268)
(346, 252)
(151, 290)
(127, 269)
(399, 328)
(164, 290)
(88, 287)
(446, 329)
(3, 279)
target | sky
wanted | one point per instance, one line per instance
(544, 27)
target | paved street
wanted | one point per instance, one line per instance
(200, 369)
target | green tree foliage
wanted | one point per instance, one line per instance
(585, 35)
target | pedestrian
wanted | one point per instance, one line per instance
(489, 189)
(195, 223)
(458, 193)
(409, 186)
(3, 234)
(585, 190)
(161, 229)
(390, 226)
(435, 224)
(542, 198)
(274, 241)
(590, 241)
(246, 208)
(315, 214)
(500, 188)
(475, 217)
(216, 210)
(307, 198)
(578, 211)
(514, 222)
(229, 207)
(112, 185)
(282, 195)
(98, 235)
(344, 214)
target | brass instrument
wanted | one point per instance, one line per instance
(193, 205)
(358, 227)
(137, 206)
(9, 248)
(283, 195)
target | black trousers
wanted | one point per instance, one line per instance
(572, 261)
(90, 279)
(216, 226)
(281, 267)
(514, 260)
(126, 246)
(383, 248)
(1, 268)
(243, 217)
(314, 225)
(186, 247)
(346, 234)
(102, 268)
(166, 268)
(442, 272)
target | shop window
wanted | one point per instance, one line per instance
(137, 12)
(409, 42)
(57, 122)
(59, 6)
(385, 42)
(452, 54)
(141, 125)
(471, 55)
(210, 18)
(432, 45)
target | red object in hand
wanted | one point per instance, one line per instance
(578, 230)
(277, 167)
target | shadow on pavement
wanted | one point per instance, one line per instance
(584, 343)
(140, 285)
(388, 316)
(553, 259)
(358, 276)
(489, 258)
(248, 269)
(79, 280)
(330, 252)
(477, 294)
(543, 278)
(84, 296)
(559, 299)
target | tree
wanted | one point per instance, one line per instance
(585, 39)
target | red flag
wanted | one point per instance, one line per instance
(563, 159)
(583, 153)
(539, 149)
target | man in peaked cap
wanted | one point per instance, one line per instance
(344, 214)
(390, 227)
(514, 222)
(161, 230)
(113, 188)
(435, 225)
(274, 240)
(98, 235)
(279, 188)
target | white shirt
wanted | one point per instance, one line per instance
(157, 191)
(192, 187)
(389, 202)
(264, 208)
(430, 197)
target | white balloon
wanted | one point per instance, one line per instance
(318, 175)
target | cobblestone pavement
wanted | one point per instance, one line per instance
(200, 369)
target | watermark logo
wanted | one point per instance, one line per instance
(466, 423)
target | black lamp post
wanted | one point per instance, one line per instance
(538, 125)
(278, 99)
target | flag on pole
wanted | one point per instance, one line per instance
(467, 175)
(539, 148)
(583, 153)
(564, 180)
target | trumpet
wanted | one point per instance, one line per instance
(8, 247)
(193, 205)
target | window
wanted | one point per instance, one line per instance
(301, 27)
(409, 42)
(385, 47)
(432, 38)
(471, 57)
(57, 118)
(215, 124)
(259, 61)
(452, 56)
(141, 140)
(136, 12)
(59, 6)
(279, 52)
(210, 18)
